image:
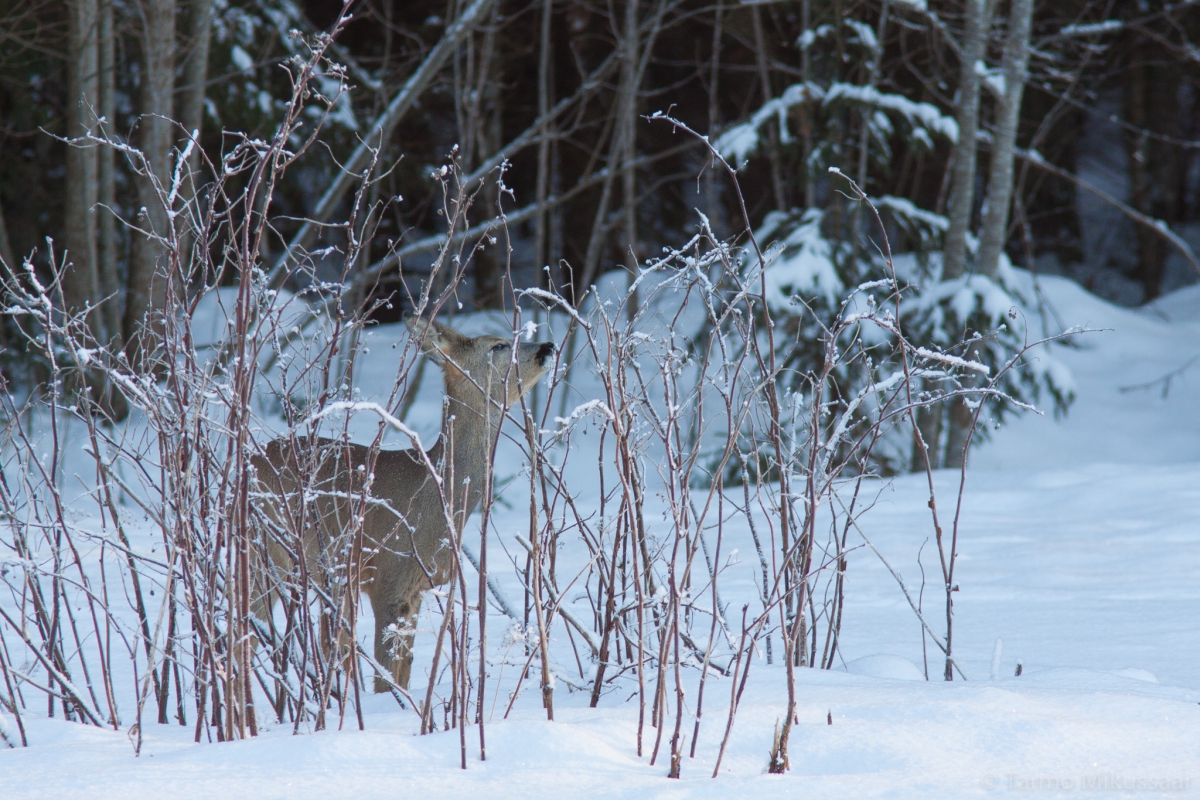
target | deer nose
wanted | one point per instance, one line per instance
(544, 351)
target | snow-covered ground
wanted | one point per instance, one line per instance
(1080, 559)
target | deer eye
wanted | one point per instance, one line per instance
(496, 348)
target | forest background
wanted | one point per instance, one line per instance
(558, 91)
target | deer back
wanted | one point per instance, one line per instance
(336, 500)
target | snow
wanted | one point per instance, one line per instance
(1080, 550)
(882, 665)
(906, 208)
(996, 82)
(741, 141)
(923, 114)
(1111, 423)
(865, 35)
(805, 264)
(240, 58)
(1107, 26)
(811, 35)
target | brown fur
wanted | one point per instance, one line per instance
(402, 549)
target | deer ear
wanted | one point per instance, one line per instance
(436, 340)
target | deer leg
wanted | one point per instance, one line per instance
(391, 651)
(326, 633)
(402, 664)
(263, 591)
(262, 598)
(345, 636)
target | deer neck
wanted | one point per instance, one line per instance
(467, 436)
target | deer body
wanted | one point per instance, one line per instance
(412, 504)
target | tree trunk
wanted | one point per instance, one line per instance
(864, 132)
(629, 63)
(106, 323)
(999, 194)
(929, 424)
(6, 251)
(541, 256)
(106, 222)
(711, 188)
(630, 55)
(80, 284)
(959, 429)
(483, 133)
(190, 111)
(962, 203)
(962, 190)
(195, 70)
(146, 289)
(1151, 99)
(764, 78)
(806, 115)
(994, 233)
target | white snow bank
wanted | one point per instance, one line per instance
(1125, 411)
(888, 739)
(887, 666)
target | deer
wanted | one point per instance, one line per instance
(386, 519)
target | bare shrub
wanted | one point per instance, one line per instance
(705, 441)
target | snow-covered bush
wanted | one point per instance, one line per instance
(811, 278)
(841, 118)
(988, 320)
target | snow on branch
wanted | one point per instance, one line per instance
(384, 414)
(954, 361)
(583, 410)
(923, 115)
(739, 142)
(907, 209)
(1092, 29)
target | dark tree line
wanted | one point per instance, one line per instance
(558, 91)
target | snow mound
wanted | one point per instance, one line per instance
(882, 665)
(1136, 674)
(1181, 305)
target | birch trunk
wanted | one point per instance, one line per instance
(106, 222)
(80, 284)
(962, 190)
(999, 194)
(1008, 114)
(926, 450)
(146, 288)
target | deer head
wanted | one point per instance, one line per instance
(483, 368)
